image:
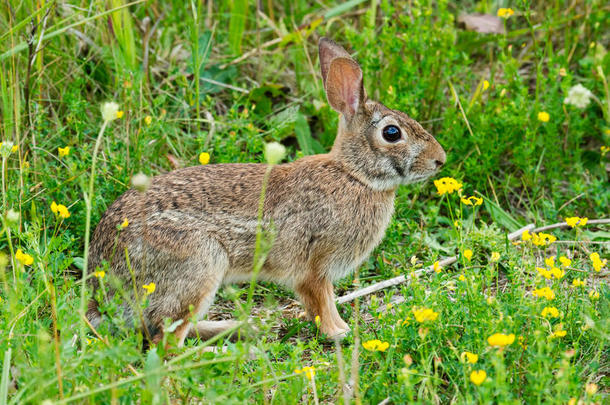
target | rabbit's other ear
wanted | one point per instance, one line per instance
(329, 50)
(344, 87)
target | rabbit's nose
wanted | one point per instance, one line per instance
(439, 163)
(440, 159)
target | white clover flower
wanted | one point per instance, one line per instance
(274, 152)
(12, 216)
(140, 182)
(578, 96)
(110, 111)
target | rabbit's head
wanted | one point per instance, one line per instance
(381, 147)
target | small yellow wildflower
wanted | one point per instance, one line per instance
(462, 277)
(526, 235)
(150, 288)
(424, 314)
(557, 273)
(24, 258)
(148, 120)
(597, 262)
(539, 239)
(550, 312)
(478, 377)
(485, 85)
(468, 254)
(591, 388)
(500, 339)
(447, 185)
(594, 295)
(565, 262)
(99, 274)
(309, 372)
(495, 256)
(544, 273)
(604, 149)
(468, 357)
(124, 224)
(505, 12)
(578, 283)
(375, 345)
(472, 201)
(317, 321)
(60, 210)
(543, 116)
(576, 221)
(204, 158)
(65, 151)
(544, 292)
(550, 261)
(563, 72)
(119, 114)
(558, 333)
(437, 267)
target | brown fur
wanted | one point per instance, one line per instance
(195, 228)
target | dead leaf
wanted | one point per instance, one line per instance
(483, 23)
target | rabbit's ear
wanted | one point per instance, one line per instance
(329, 50)
(344, 86)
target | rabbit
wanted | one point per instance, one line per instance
(194, 229)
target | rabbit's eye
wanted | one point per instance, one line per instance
(391, 133)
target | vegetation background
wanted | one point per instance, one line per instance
(226, 77)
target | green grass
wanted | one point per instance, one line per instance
(182, 67)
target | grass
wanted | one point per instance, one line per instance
(178, 72)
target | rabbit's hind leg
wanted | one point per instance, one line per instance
(318, 297)
(187, 289)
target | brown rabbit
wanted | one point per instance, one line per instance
(194, 229)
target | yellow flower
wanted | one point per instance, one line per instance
(525, 236)
(317, 320)
(500, 339)
(148, 120)
(544, 273)
(551, 312)
(437, 267)
(469, 357)
(462, 277)
(543, 116)
(544, 292)
(467, 254)
(563, 72)
(124, 224)
(565, 262)
(591, 388)
(558, 333)
(597, 262)
(447, 185)
(550, 261)
(375, 345)
(204, 158)
(505, 12)
(150, 288)
(594, 295)
(557, 273)
(578, 283)
(119, 114)
(424, 314)
(309, 372)
(65, 151)
(60, 210)
(539, 239)
(485, 85)
(24, 258)
(478, 377)
(604, 149)
(472, 201)
(495, 256)
(99, 274)
(575, 221)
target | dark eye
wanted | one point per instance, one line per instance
(391, 133)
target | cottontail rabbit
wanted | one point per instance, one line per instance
(195, 228)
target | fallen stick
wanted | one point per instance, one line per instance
(446, 262)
